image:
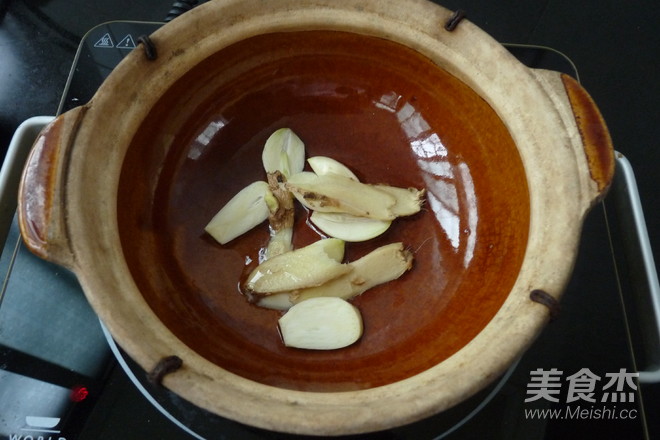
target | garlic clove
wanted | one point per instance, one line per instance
(247, 209)
(284, 151)
(323, 165)
(349, 227)
(277, 301)
(321, 324)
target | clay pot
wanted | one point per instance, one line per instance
(120, 189)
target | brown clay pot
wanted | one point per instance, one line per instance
(119, 190)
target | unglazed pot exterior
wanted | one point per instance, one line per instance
(120, 189)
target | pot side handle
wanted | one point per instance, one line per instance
(584, 115)
(41, 193)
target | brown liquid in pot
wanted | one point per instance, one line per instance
(391, 116)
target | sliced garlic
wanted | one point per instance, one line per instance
(308, 266)
(243, 212)
(333, 193)
(323, 165)
(321, 324)
(382, 265)
(284, 151)
(349, 227)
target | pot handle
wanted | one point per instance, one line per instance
(645, 287)
(41, 193)
(580, 112)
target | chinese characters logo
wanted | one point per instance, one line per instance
(582, 386)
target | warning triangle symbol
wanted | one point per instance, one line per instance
(105, 41)
(126, 43)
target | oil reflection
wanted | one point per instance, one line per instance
(202, 141)
(450, 187)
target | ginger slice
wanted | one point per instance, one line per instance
(339, 193)
(308, 266)
(380, 266)
(281, 219)
(335, 193)
(408, 200)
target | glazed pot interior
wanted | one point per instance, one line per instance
(390, 115)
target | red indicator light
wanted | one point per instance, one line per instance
(79, 393)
